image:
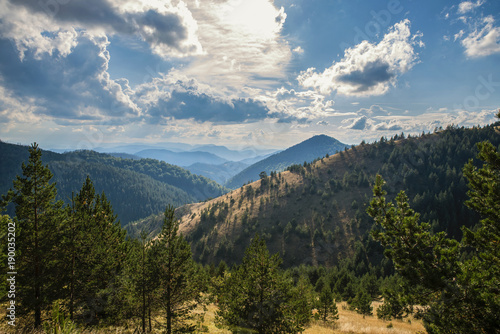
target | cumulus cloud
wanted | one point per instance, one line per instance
(368, 69)
(169, 29)
(467, 6)
(242, 43)
(299, 105)
(374, 110)
(74, 87)
(360, 123)
(482, 41)
(175, 96)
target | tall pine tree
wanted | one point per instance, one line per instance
(39, 219)
(96, 250)
(179, 290)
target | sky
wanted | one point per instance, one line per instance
(82, 74)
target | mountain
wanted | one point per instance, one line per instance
(315, 214)
(232, 155)
(136, 188)
(307, 151)
(219, 173)
(181, 158)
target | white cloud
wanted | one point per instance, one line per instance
(368, 69)
(168, 28)
(298, 50)
(242, 44)
(483, 41)
(426, 121)
(374, 110)
(467, 6)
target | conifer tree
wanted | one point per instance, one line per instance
(258, 296)
(327, 308)
(362, 303)
(39, 218)
(179, 290)
(96, 251)
(457, 283)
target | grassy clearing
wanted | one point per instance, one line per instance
(352, 322)
(349, 322)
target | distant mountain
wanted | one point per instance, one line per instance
(181, 158)
(251, 161)
(233, 155)
(307, 151)
(133, 148)
(219, 173)
(136, 188)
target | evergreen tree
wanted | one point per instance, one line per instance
(362, 303)
(96, 250)
(258, 296)
(481, 277)
(458, 286)
(39, 219)
(179, 288)
(327, 308)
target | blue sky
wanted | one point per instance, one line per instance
(243, 73)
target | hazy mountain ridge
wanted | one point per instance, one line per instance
(219, 173)
(305, 151)
(181, 158)
(136, 188)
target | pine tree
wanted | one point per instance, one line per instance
(362, 303)
(39, 218)
(456, 282)
(327, 308)
(96, 251)
(179, 289)
(258, 296)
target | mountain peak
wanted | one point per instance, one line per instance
(315, 147)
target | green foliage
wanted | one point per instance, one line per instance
(96, 250)
(327, 309)
(258, 296)
(457, 283)
(38, 222)
(362, 303)
(179, 288)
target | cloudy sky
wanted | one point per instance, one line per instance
(262, 73)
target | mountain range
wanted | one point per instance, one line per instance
(314, 213)
(136, 188)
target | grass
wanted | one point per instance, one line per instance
(349, 322)
(352, 322)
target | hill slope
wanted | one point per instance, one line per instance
(136, 188)
(308, 150)
(316, 214)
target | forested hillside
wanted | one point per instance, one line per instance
(305, 151)
(126, 182)
(315, 213)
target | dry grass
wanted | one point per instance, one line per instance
(352, 322)
(349, 322)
